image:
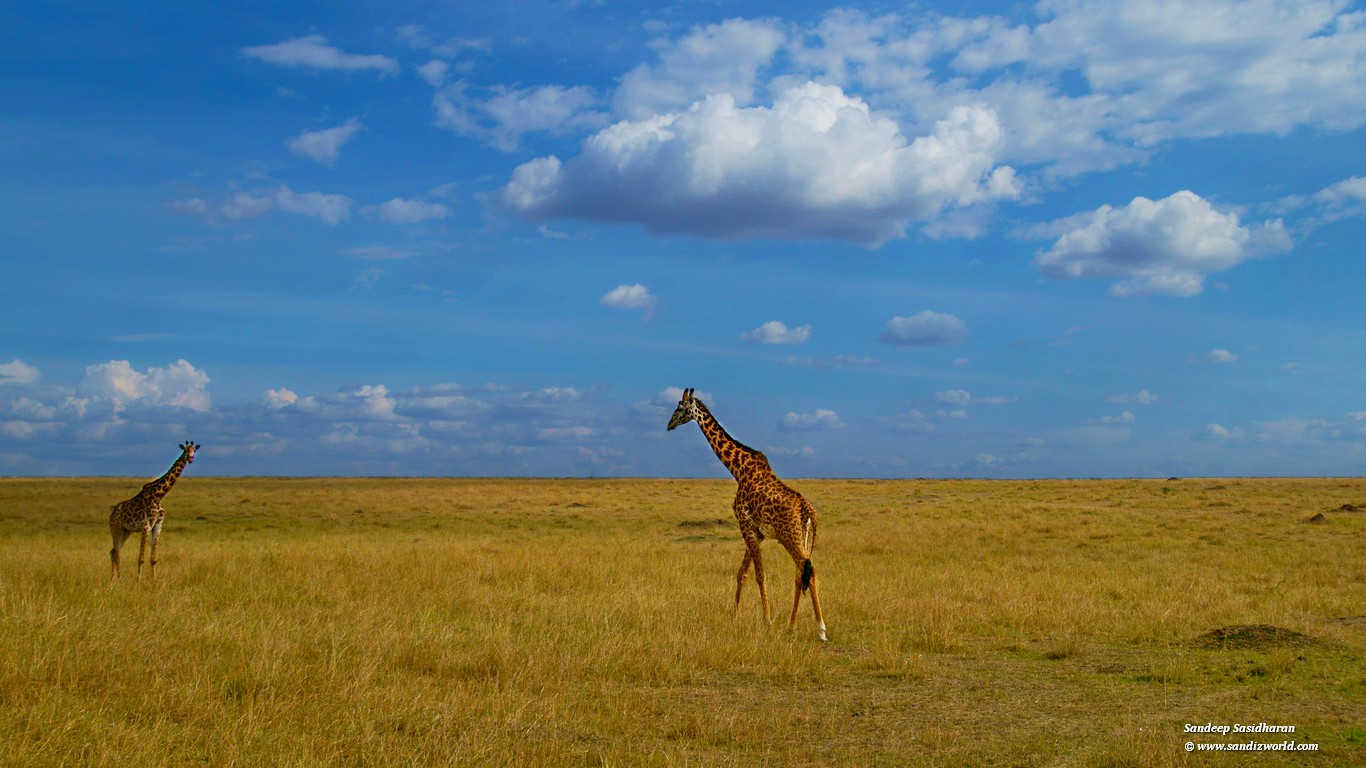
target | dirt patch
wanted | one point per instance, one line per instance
(1319, 518)
(1253, 636)
(1349, 508)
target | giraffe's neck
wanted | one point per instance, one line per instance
(161, 486)
(735, 455)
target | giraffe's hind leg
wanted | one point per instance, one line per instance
(119, 535)
(142, 549)
(740, 577)
(815, 606)
(806, 579)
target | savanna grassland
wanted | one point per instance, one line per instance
(588, 622)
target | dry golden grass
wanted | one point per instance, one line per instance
(577, 622)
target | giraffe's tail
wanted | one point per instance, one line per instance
(808, 543)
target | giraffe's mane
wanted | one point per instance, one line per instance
(703, 407)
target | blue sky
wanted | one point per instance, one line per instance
(970, 239)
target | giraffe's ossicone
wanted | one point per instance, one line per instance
(143, 513)
(764, 507)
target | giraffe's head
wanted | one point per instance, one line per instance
(189, 448)
(686, 411)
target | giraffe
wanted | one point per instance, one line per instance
(764, 507)
(143, 513)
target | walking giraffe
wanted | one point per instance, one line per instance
(764, 507)
(143, 513)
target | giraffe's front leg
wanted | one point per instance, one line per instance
(752, 543)
(156, 537)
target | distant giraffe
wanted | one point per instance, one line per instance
(764, 507)
(143, 513)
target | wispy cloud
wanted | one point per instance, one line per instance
(503, 116)
(322, 146)
(328, 208)
(313, 52)
(1141, 397)
(418, 37)
(1342, 200)
(927, 328)
(331, 209)
(404, 211)
(1123, 417)
(831, 361)
(820, 419)
(958, 397)
(1220, 432)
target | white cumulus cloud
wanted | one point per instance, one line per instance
(280, 398)
(1164, 246)
(179, 384)
(374, 401)
(1094, 85)
(634, 296)
(776, 332)
(817, 163)
(727, 57)
(18, 372)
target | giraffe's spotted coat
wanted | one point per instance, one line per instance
(143, 513)
(764, 507)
